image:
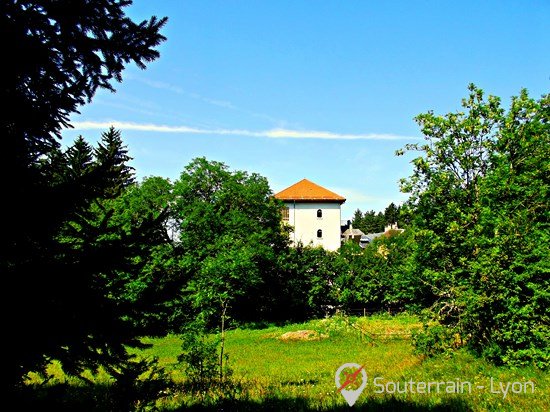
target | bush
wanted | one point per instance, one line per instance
(201, 357)
(435, 339)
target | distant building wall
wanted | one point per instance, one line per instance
(302, 216)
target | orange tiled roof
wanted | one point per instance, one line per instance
(307, 191)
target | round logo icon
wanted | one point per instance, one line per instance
(354, 381)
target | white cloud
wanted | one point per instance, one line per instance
(272, 133)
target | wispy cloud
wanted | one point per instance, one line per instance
(158, 84)
(178, 90)
(272, 133)
(214, 102)
(136, 108)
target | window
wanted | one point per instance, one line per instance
(285, 213)
(319, 233)
(319, 213)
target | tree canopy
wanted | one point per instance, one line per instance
(60, 54)
(230, 234)
(372, 222)
(479, 196)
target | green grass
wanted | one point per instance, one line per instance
(303, 371)
(272, 374)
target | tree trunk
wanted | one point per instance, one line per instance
(222, 337)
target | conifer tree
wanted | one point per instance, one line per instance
(59, 53)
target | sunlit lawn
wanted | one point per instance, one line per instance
(270, 373)
(270, 368)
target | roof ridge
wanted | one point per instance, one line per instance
(306, 190)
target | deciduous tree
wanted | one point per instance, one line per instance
(481, 214)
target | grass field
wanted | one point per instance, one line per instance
(270, 373)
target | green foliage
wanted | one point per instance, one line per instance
(101, 254)
(144, 288)
(391, 213)
(481, 217)
(200, 356)
(138, 384)
(369, 222)
(434, 340)
(372, 222)
(59, 250)
(230, 235)
(69, 49)
(510, 321)
(381, 275)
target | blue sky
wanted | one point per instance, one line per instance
(325, 90)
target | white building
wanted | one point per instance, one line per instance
(314, 213)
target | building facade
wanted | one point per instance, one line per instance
(314, 214)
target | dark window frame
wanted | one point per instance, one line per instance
(286, 214)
